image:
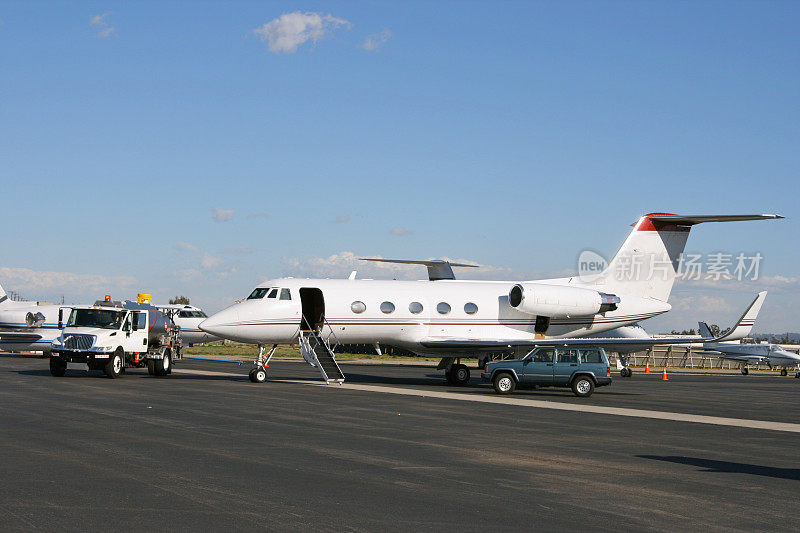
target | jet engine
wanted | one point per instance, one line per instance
(558, 301)
(34, 320)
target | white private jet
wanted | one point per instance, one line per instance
(188, 317)
(748, 353)
(448, 317)
(29, 326)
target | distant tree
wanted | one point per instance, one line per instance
(183, 300)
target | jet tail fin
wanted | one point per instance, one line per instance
(743, 326)
(3, 295)
(646, 264)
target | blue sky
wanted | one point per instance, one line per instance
(199, 148)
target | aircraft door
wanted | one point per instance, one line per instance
(538, 365)
(313, 305)
(566, 363)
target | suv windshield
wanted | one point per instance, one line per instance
(96, 318)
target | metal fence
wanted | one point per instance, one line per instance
(683, 356)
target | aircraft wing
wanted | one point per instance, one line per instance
(474, 345)
(743, 358)
(437, 269)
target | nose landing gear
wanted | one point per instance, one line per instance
(259, 373)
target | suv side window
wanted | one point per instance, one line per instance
(591, 356)
(542, 355)
(567, 356)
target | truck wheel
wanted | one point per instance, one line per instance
(504, 383)
(151, 367)
(258, 375)
(164, 365)
(583, 386)
(113, 368)
(58, 367)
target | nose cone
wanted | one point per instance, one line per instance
(221, 324)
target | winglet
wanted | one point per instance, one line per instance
(704, 330)
(437, 269)
(745, 324)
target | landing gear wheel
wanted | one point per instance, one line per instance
(784, 372)
(626, 372)
(258, 375)
(583, 387)
(504, 383)
(163, 366)
(58, 367)
(745, 370)
(458, 375)
(113, 368)
(797, 376)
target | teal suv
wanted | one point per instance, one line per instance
(580, 369)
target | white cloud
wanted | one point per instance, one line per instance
(184, 247)
(105, 29)
(285, 33)
(37, 283)
(222, 215)
(342, 219)
(376, 40)
(400, 231)
(208, 261)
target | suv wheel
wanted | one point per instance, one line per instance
(504, 383)
(583, 386)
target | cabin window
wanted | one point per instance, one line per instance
(387, 307)
(443, 308)
(415, 308)
(285, 294)
(273, 293)
(591, 356)
(258, 293)
(358, 307)
(470, 308)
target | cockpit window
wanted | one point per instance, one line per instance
(285, 294)
(185, 314)
(273, 293)
(200, 314)
(258, 293)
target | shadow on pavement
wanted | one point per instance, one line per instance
(711, 465)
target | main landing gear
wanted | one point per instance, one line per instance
(744, 370)
(626, 372)
(455, 373)
(784, 372)
(259, 373)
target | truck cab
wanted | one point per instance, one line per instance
(110, 336)
(581, 369)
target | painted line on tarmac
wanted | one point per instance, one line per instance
(541, 404)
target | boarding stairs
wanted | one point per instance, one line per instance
(317, 350)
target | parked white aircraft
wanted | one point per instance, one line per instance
(452, 317)
(188, 317)
(771, 354)
(29, 326)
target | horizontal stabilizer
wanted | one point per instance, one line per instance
(437, 269)
(691, 220)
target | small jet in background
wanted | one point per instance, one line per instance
(771, 354)
(29, 326)
(188, 317)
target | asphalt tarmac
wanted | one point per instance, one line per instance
(205, 449)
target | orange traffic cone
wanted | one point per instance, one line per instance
(647, 368)
(664, 375)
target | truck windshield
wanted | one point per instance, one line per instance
(96, 318)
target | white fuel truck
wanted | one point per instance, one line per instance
(112, 335)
